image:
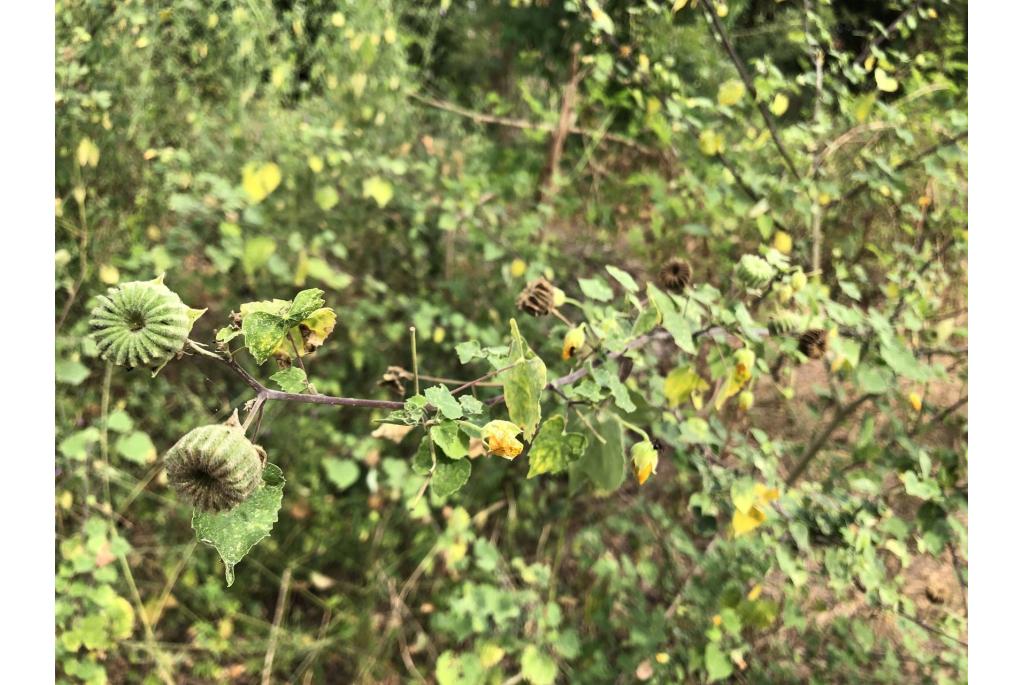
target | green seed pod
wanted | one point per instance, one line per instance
(140, 323)
(783, 322)
(754, 272)
(675, 275)
(215, 467)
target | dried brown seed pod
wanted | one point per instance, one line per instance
(675, 274)
(537, 298)
(215, 467)
(813, 343)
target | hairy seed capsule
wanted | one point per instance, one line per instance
(754, 272)
(537, 298)
(813, 343)
(140, 323)
(783, 322)
(215, 467)
(675, 274)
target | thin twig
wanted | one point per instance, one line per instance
(140, 610)
(415, 362)
(819, 441)
(861, 187)
(275, 628)
(719, 29)
(526, 125)
(881, 37)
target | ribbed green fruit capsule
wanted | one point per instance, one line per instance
(215, 467)
(754, 272)
(783, 322)
(140, 323)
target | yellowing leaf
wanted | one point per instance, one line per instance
(731, 92)
(109, 274)
(678, 5)
(358, 83)
(338, 19)
(601, 19)
(885, 83)
(326, 197)
(379, 189)
(779, 104)
(862, 107)
(755, 592)
(711, 142)
(681, 383)
(260, 180)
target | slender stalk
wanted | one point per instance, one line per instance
(275, 628)
(415, 362)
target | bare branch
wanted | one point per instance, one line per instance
(719, 29)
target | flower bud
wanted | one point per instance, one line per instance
(645, 460)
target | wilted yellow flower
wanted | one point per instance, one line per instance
(645, 460)
(574, 340)
(500, 438)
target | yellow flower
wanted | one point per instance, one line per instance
(755, 592)
(915, 400)
(798, 281)
(574, 340)
(500, 438)
(517, 268)
(749, 512)
(661, 658)
(645, 460)
(741, 373)
(783, 242)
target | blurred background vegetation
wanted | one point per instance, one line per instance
(421, 162)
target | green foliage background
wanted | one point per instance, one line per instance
(398, 156)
